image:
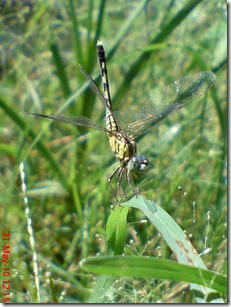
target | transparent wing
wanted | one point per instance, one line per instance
(98, 93)
(82, 120)
(93, 85)
(165, 102)
(75, 120)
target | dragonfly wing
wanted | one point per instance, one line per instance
(98, 93)
(75, 120)
(169, 100)
(94, 87)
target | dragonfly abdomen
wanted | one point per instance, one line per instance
(111, 122)
(103, 71)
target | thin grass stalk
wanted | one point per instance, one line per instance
(143, 59)
(60, 70)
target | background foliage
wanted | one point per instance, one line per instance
(148, 45)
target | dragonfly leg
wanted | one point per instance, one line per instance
(109, 181)
(134, 189)
(119, 183)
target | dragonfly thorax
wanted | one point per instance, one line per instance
(138, 165)
(124, 148)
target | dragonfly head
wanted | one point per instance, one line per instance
(138, 165)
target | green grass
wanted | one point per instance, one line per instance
(149, 44)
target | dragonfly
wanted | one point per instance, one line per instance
(123, 128)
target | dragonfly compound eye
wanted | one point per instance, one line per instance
(138, 165)
(145, 166)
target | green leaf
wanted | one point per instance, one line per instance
(172, 234)
(170, 230)
(116, 229)
(190, 268)
(146, 267)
